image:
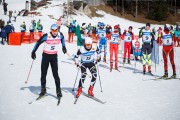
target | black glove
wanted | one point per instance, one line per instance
(64, 49)
(77, 65)
(33, 55)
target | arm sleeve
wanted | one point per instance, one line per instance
(98, 52)
(122, 36)
(132, 36)
(140, 33)
(40, 41)
(62, 39)
(77, 55)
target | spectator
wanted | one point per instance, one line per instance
(70, 32)
(3, 35)
(31, 30)
(10, 15)
(38, 22)
(23, 27)
(9, 29)
(40, 28)
(5, 7)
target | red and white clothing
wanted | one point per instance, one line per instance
(114, 43)
(127, 37)
(167, 42)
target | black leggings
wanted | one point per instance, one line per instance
(52, 59)
(92, 69)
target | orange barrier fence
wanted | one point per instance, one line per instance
(16, 38)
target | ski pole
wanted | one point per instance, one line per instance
(29, 72)
(68, 54)
(99, 77)
(75, 80)
(175, 54)
(135, 64)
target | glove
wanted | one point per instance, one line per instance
(33, 55)
(64, 49)
(77, 65)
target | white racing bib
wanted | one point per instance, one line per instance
(167, 39)
(115, 38)
(128, 37)
(87, 56)
(51, 44)
(102, 33)
(146, 36)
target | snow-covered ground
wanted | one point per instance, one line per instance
(127, 96)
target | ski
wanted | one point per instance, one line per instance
(115, 70)
(59, 100)
(94, 98)
(118, 70)
(39, 98)
(161, 78)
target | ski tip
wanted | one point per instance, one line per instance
(30, 102)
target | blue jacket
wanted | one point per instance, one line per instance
(3, 32)
(9, 28)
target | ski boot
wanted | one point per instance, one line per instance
(111, 66)
(149, 70)
(144, 69)
(116, 66)
(165, 76)
(124, 60)
(90, 91)
(104, 59)
(2, 42)
(129, 61)
(59, 94)
(43, 92)
(79, 91)
(173, 76)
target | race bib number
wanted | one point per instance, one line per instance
(115, 39)
(102, 35)
(167, 41)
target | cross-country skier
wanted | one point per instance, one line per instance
(147, 44)
(90, 55)
(101, 32)
(127, 36)
(52, 41)
(114, 43)
(168, 50)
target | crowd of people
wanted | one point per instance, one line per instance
(90, 53)
(102, 35)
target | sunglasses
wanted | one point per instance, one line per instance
(54, 30)
(88, 45)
